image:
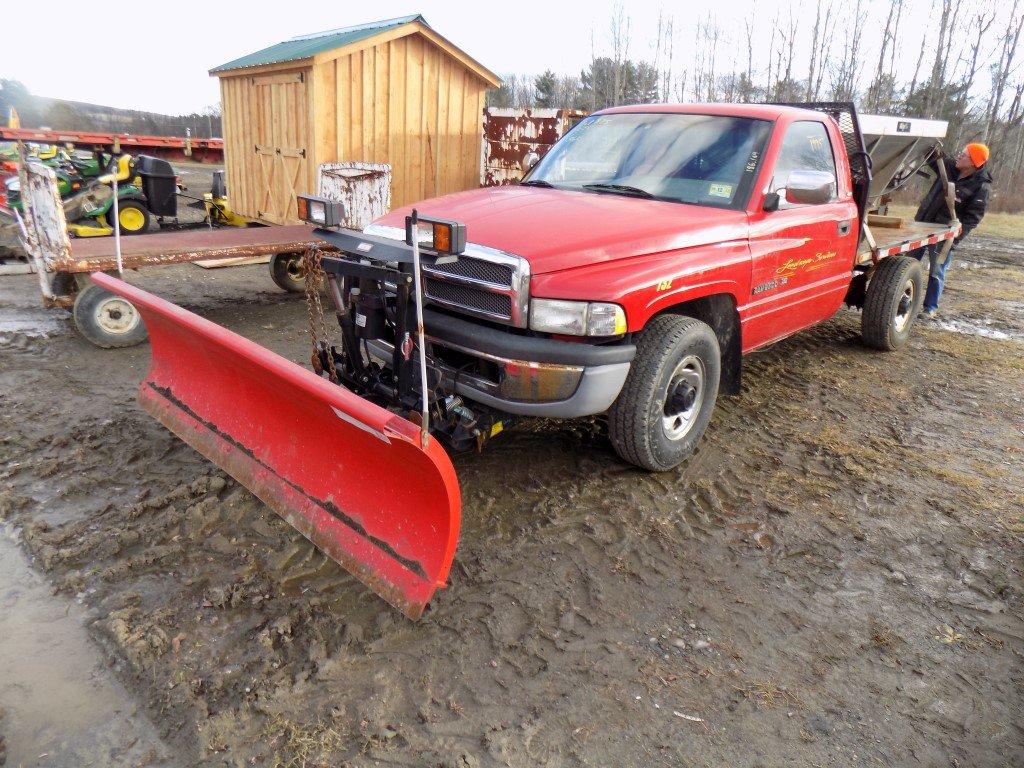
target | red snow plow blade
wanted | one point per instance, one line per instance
(348, 474)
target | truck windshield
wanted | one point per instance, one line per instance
(697, 159)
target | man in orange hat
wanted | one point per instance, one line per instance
(970, 175)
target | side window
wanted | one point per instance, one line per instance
(805, 147)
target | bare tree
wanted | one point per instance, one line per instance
(621, 37)
(819, 38)
(882, 89)
(1003, 67)
(847, 73)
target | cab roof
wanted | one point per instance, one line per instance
(757, 111)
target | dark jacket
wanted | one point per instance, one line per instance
(972, 193)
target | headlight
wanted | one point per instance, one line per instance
(577, 318)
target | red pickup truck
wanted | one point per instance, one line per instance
(627, 274)
(649, 250)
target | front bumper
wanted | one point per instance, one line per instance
(533, 376)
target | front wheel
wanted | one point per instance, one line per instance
(666, 403)
(107, 320)
(132, 215)
(893, 299)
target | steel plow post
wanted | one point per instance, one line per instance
(349, 475)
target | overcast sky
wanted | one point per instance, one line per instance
(158, 59)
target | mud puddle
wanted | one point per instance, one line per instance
(61, 706)
(984, 328)
(34, 323)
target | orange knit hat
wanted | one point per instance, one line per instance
(978, 154)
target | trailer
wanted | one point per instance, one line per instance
(178, 148)
(63, 265)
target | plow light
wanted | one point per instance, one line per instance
(320, 210)
(439, 235)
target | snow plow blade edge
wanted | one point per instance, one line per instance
(348, 474)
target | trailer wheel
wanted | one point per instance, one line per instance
(894, 297)
(107, 320)
(288, 271)
(133, 216)
(666, 403)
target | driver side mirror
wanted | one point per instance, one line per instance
(807, 187)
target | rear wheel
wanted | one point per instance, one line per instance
(132, 215)
(667, 400)
(894, 297)
(288, 271)
(107, 320)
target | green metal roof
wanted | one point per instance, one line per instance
(304, 46)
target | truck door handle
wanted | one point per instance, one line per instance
(844, 227)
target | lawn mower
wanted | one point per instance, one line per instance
(88, 202)
(147, 189)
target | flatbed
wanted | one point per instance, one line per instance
(892, 241)
(99, 254)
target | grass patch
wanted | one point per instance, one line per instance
(994, 224)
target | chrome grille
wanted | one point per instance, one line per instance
(468, 297)
(477, 269)
(482, 281)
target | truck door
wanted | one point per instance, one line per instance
(802, 255)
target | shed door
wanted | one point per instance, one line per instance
(282, 143)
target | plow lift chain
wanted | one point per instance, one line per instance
(315, 279)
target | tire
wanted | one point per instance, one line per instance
(107, 320)
(893, 300)
(649, 428)
(287, 271)
(135, 217)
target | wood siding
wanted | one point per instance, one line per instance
(408, 103)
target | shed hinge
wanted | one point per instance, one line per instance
(302, 152)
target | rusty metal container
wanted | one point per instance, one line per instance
(514, 139)
(363, 188)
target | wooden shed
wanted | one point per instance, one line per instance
(392, 92)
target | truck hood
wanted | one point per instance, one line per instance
(559, 229)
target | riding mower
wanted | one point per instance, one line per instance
(89, 203)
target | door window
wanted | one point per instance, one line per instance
(805, 147)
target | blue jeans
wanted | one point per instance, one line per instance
(936, 274)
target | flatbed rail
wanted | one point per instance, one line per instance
(910, 236)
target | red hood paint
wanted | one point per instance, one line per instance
(558, 229)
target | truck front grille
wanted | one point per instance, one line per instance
(469, 297)
(483, 281)
(477, 269)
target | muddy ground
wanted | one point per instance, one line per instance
(835, 579)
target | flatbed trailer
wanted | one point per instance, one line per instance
(64, 265)
(100, 254)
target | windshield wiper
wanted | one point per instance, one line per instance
(537, 183)
(624, 189)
